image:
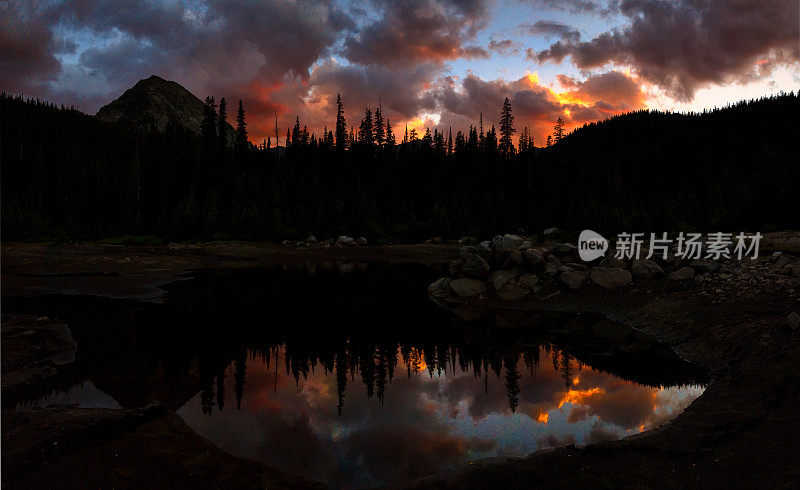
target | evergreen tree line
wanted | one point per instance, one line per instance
(67, 175)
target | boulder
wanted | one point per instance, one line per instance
(440, 287)
(484, 249)
(533, 259)
(466, 287)
(550, 269)
(464, 252)
(527, 280)
(703, 266)
(346, 241)
(574, 279)
(511, 292)
(311, 239)
(645, 269)
(474, 266)
(562, 249)
(613, 262)
(610, 277)
(499, 279)
(455, 267)
(361, 240)
(550, 231)
(682, 274)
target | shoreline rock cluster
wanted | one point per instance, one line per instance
(340, 241)
(509, 267)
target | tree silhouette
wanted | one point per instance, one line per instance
(222, 131)
(549, 140)
(241, 130)
(379, 130)
(390, 139)
(558, 130)
(341, 125)
(506, 145)
(365, 131)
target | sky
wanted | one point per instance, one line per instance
(426, 62)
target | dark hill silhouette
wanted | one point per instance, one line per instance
(66, 174)
(158, 102)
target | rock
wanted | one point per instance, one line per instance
(782, 261)
(527, 280)
(439, 288)
(465, 252)
(500, 278)
(474, 266)
(346, 241)
(610, 277)
(645, 269)
(776, 256)
(511, 292)
(286, 243)
(484, 249)
(533, 259)
(703, 266)
(361, 240)
(562, 249)
(455, 267)
(550, 231)
(577, 267)
(515, 256)
(466, 287)
(565, 268)
(574, 279)
(311, 239)
(550, 269)
(793, 320)
(613, 262)
(525, 245)
(682, 274)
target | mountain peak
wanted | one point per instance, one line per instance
(154, 100)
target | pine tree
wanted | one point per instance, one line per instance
(490, 141)
(507, 130)
(365, 131)
(405, 136)
(341, 125)
(390, 139)
(380, 134)
(461, 143)
(241, 130)
(523, 140)
(412, 135)
(208, 128)
(222, 131)
(427, 140)
(296, 131)
(450, 141)
(549, 140)
(558, 130)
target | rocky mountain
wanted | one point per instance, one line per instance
(156, 100)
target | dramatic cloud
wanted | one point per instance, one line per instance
(571, 6)
(683, 46)
(413, 31)
(552, 29)
(536, 106)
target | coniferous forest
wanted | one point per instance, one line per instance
(67, 175)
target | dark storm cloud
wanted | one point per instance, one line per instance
(410, 31)
(552, 29)
(207, 46)
(27, 48)
(683, 46)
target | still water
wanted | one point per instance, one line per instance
(350, 375)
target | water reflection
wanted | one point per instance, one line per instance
(408, 414)
(351, 375)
